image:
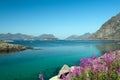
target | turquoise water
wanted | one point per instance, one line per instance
(26, 65)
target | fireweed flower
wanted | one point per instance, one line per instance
(95, 67)
(118, 71)
(114, 56)
(41, 76)
(98, 61)
(76, 71)
(70, 74)
(90, 61)
(87, 78)
(84, 62)
(119, 59)
(93, 57)
(105, 67)
(82, 69)
(116, 52)
(63, 77)
(101, 68)
(110, 52)
(108, 59)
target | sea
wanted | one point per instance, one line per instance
(48, 60)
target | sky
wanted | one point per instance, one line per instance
(59, 17)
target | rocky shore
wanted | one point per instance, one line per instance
(7, 47)
(65, 69)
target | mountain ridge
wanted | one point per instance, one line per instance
(79, 37)
(19, 36)
(110, 30)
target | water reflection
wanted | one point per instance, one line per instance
(107, 47)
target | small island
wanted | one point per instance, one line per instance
(7, 47)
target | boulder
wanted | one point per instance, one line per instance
(55, 78)
(65, 69)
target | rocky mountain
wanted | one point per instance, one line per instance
(110, 30)
(81, 37)
(20, 36)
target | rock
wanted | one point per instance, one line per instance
(72, 68)
(55, 78)
(7, 47)
(118, 42)
(65, 69)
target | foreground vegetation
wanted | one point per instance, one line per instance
(106, 67)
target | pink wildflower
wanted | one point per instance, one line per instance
(63, 77)
(41, 76)
(87, 78)
(76, 71)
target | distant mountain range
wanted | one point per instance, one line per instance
(110, 30)
(80, 37)
(20, 36)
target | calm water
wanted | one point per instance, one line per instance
(26, 65)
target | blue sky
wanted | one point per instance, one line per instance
(59, 17)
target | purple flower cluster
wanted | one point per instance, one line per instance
(41, 76)
(106, 67)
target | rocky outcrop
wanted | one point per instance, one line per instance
(110, 30)
(65, 69)
(6, 47)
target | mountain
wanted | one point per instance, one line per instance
(84, 36)
(72, 37)
(47, 37)
(17, 36)
(20, 36)
(81, 37)
(110, 30)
